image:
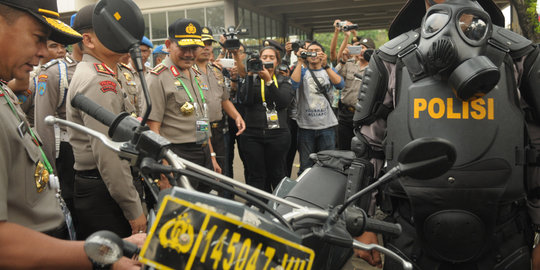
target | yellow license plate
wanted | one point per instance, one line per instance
(187, 236)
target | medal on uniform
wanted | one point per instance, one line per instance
(41, 176)
(177, 83)
(187, 109)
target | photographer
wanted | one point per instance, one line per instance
(352, 65)
(266, 139)
(314, 115)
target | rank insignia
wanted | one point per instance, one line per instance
(108, 86)
(175, 71)
(101, 69)
(158, 69)
(41, 176)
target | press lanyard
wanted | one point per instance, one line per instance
(262, 88)
(189, 94)
(45, 160)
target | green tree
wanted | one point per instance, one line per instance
(528, 18)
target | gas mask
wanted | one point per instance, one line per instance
(454, 37)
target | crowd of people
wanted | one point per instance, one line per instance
(270, 106)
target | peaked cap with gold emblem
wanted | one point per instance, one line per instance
(207, 34)
(186, 32)
(46, 11)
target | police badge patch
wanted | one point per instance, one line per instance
(42, 84)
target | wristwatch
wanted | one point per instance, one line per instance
(98, 266)
(269, 82)
(326, 67)
(212, 154)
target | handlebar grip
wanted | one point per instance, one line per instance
(88, 106)
(379, 226)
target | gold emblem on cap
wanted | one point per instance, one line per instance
(266, 43)
(187, 109)
(41, 176)
(205, 30)
(191, 29)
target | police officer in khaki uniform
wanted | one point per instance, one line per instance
(213, 85)
(28, 207)
(181, 110)
(348, 66)
(105, 198)
(51, 100)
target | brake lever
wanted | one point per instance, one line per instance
(359, 245)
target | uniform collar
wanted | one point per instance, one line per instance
(176, 71)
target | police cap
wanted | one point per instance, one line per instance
(147, 42)
(83, 19)
(207, 34)
(275, 44)
(160, 49)
(46, 11)
(368, 42)
(186, 33)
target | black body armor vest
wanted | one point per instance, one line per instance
(454, 214)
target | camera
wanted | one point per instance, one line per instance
(341, 24)
(231, 37)
(268, 65)
(297, 45)
(254, 63)
(306, 54)
(283, 67)
(349, 27)
(355, 50)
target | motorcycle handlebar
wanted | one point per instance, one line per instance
(379, 226)
(88, 106)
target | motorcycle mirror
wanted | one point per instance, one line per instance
(104, 247)
(119, 24)
(426, 158)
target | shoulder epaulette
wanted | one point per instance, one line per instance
(215, 66)
(69, 60)
(158, 69)
(126, 66)
(101, 68)
(196, 70)
(49, 64)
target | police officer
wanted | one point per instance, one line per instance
(350, 67)
(460, 63)
(28, 207)
(213, 81)
(54, 78)
(105, 198)
(181, 111)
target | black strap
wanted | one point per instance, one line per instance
(412, 59)
(320, 89)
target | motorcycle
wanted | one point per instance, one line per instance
(310, 225)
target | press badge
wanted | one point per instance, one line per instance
(271, 117)
(202, 125)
